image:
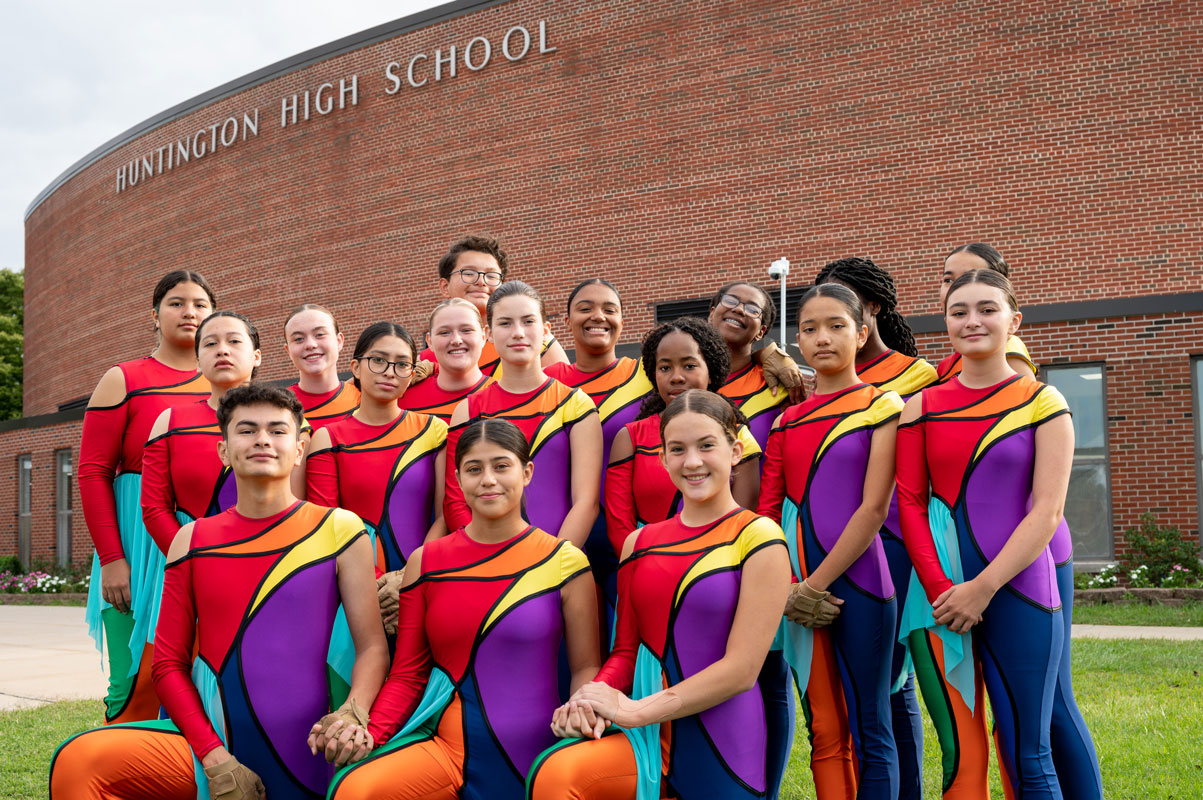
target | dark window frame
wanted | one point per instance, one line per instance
(1089, 562)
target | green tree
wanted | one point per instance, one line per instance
(12, 338)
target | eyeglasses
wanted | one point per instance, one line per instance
(751, 309)
(380, 365)
(472, 275)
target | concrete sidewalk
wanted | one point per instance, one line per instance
(47, 655)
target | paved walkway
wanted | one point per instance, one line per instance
(47, 655)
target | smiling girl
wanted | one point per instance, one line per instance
(484, 613)
(456, 336)
(314, 342)
(700, 597)
(983, 468)
(560, 423)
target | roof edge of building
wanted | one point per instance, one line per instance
(355, 41)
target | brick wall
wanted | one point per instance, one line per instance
(41, 443)
(671, 146)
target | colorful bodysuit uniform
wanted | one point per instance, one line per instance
(813, 482)
(250, 595)
(479, 615)
(386, 475)
(1073, 748)
(427, 398)
(976, 449)
(680, 589)
(896, 372)
(184, 477)
(110, 485)
(322, 409)
(545, 416)
(489, 361)
(616, 391)
(752, 396)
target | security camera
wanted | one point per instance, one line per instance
(779, 268)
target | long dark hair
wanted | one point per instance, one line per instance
(875, 285)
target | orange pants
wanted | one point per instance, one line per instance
(964, 745)
(427, 769)
(140, 761)
(588, 769)
(832, 758)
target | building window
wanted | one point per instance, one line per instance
(1088, 503)
(62, 506)
(24, 508)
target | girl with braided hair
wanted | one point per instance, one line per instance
(890, 361)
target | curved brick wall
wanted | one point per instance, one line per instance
(669, 146)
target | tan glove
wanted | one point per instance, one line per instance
(422, 370)
(388, 586)
(808, 607)
(336, 743)
(780, 370)
(230, 780)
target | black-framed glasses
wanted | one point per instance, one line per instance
(732, 302)
(473, 275)
(380, 365)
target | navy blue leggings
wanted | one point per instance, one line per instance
(778, 692)
(1074, 757)
(904, 704)
(863, 637)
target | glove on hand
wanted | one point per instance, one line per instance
(352, 714)
(388, 586)
(230, 780)
(422, 370)
(781, 370)
(810, 608)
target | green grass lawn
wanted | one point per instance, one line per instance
(1143, 701)
(1189, 614)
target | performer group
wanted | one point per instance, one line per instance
(478, 570)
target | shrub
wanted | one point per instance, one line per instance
(10, 564)
(1160, 549)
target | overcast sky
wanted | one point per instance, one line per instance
(77, 72)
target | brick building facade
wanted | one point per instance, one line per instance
(669, 147)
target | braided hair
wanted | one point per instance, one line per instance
(874, 284)
(710, 345)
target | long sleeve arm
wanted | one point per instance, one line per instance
(321, 478)
(913, 493)
(402, 690)
(99, 454)
(772, 479)
(158, 498)
(455, 509)
(620, 502)
(172, 667)
(619, 669)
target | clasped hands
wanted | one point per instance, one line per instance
(811, 608)
(593, 708)
(342, 735)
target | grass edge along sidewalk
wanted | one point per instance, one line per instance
(1143, 701)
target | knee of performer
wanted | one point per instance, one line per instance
(563, 776)
(79, 766)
